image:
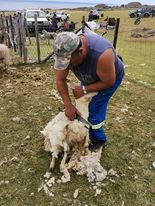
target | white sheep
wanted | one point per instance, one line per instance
(46, 35)
(4, 55)
(70, 137)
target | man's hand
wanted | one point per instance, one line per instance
(71, 112)
(78, 92)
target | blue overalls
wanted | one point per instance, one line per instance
(97, 112)
(86, 73)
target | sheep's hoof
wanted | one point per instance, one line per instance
(65, 179)
(52, 165)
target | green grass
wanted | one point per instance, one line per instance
(137, 53)
(25, 93)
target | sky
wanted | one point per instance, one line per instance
(97, 1)
(21, 4)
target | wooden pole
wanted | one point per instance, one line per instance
(12, 32)
(27, 32)
(116, 33)
(19, 35)
(83, 24)
(3, 40)
(23, 38)
(2, 21)
(8, 31)
(37, 39)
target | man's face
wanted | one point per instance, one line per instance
(76, 59)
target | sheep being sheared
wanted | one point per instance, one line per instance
(63, 135)
(4, 55)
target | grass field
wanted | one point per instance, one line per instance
(135, 51)
(138, 53)
(26, 105)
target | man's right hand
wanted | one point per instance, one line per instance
(71, 112)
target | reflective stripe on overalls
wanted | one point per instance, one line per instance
(97, 126)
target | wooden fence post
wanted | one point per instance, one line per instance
(8, 31)
(27, 31)
(2, 21)
(23, 38)
(83, 24)
(116, 33)
(3, 28)
(19, 35)
(37, 39)
(12, 29)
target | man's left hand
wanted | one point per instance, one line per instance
(78, 92)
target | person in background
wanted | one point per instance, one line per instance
(66, 25)
(90, 16)
(111, 22)
(95, 63)
(106, 19)
(54, 23)
(72, 26)
(48, 15)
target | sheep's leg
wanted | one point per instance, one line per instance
(6, 62)
(70, 165)
(86, 144)
(52, 164)
(64, 170)
(63, 167)
(98, 153)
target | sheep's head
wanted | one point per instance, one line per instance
(44, 31)
(89, 96)
(83, 102)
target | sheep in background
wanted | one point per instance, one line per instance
(90, 27)
(4, 55)
(46, 35)
(70, 137)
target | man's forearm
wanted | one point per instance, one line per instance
(63, 91)
(97, 86)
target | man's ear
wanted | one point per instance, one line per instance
(80, 50)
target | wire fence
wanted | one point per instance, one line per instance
(134, 43)
(137, 42)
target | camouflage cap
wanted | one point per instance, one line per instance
(65, 44)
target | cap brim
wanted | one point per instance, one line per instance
(61, 63)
